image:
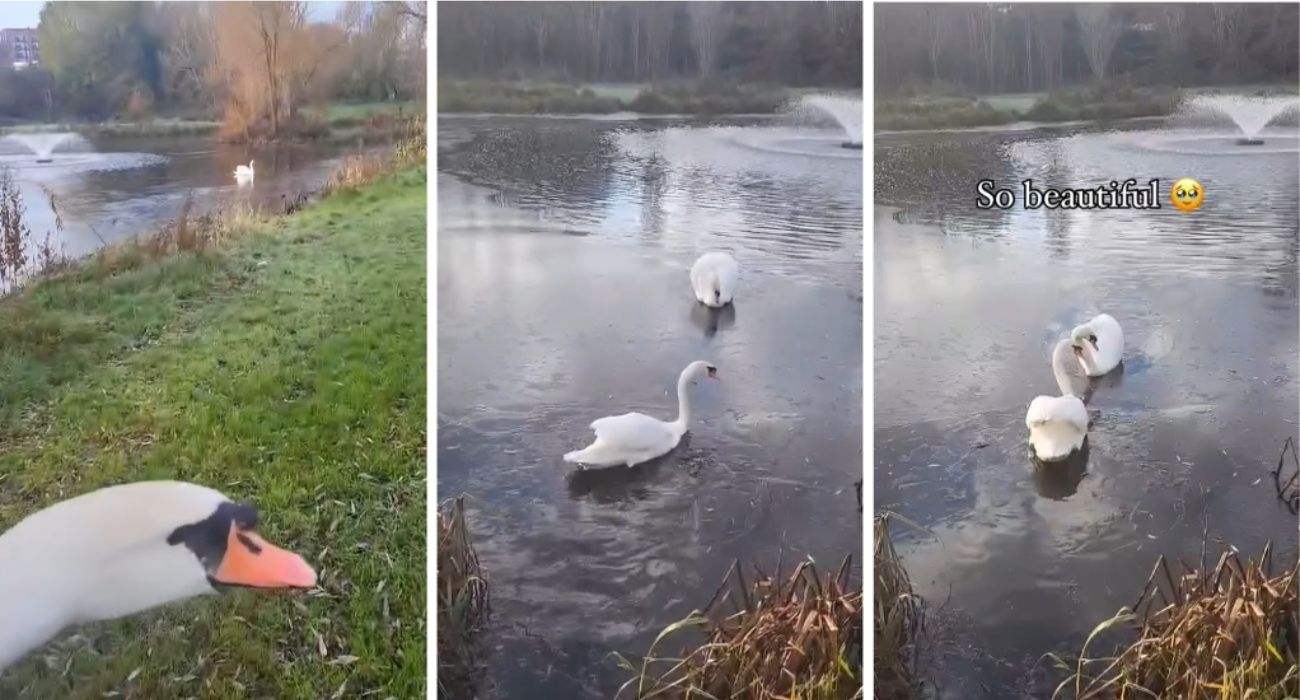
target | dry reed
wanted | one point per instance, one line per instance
(22, 257)
(1227, 632)
(899, 619)
(462, 603)
(785, 638)
(410, 150)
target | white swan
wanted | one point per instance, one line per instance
(1058, 424)
(244, 172)
(1102, 344)
(633, 438)
(125, 549)
(713, 277)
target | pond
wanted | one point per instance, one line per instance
(968, 302)
(563, 296)
(108, 189)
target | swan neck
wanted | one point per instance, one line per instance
(1061, 374)
(683, 400)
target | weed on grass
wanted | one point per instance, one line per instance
(1222, 632)
(462, 604)
(796, 637)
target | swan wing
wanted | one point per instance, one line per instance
(633, 432)
(1068, 410)
(1057, 425)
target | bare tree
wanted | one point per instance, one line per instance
(706, 33)
(1099, 29)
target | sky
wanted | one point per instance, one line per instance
(27, 13)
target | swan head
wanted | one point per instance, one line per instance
(233, 555)
(1083, 334)
(123, 549)
(701, 368)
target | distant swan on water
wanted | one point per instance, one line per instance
(244, 172)
(713, 278)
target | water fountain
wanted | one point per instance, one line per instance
(1250, 114)
(846, 111)
(44, 144)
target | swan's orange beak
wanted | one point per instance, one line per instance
(252, 561)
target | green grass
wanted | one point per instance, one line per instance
(287, 370)
(1086, 103)
(552, 98)
(352, 112)
(937, 113)
(160, 126)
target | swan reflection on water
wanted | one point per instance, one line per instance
(1060, 480)
(712, 320)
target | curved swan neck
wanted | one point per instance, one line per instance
(683, 400)
(1063, 354)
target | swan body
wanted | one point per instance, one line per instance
(244, 172)
(124, 549)
(633, 438)
(713, 277)
(1058, 425)
(1102, 343)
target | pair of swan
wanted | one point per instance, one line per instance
(1058, 425)
(634, 438)
(125, 549)
(244, 173)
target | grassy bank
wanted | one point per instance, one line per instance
(152, 127)
(340, 116)
(677, 98)
(1075, 104)
(286, 367)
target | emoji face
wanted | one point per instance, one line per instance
(1187, 195)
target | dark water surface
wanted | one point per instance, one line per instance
(563, 296)
(968, 304)
(112, 188)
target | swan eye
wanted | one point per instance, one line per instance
(713, 371)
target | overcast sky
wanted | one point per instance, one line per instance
(26, 13)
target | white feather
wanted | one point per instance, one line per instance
(713, 279)
(1106, 355)
(633, 438)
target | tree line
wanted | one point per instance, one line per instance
(790, 43)
(1023, 47)
(253, 65)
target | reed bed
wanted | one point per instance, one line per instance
(783, 638)
(899, 620)
(463, 603)
(410, 150)
(1227, 632)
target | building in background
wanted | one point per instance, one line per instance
(20, 46)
